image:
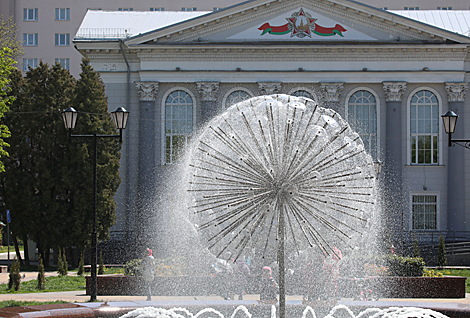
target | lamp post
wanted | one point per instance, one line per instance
(120, 116)
(450, 121)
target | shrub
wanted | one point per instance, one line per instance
(132, 268)
(14, 277)
(416, 252)
(81, 267)
(441, 253)
(64, 262)
(101, 267)
(60, 263)
(41, 275)
(405, 266)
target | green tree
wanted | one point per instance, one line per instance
(14, 281)
(7, 65)
(441, 252)
(41, 275)
(81, 267)
(416, 252)
(8, 37)
(48, 180)
(101, 265)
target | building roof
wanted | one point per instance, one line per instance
(450, 20)
(109, 25)
(122, 24)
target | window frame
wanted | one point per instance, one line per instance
(157, 9)
(163, 119)
(58, 39)
(25, 65)
(377, 109)
(408, 128)
(35, 38)
(26, 14)
(438, 210)
(126, 9)
(58, 14)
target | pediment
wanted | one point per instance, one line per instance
(300, 21)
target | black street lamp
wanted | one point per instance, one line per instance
(450, 121)
(120, 117)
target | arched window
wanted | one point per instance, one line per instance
(178, 123)
(302, 93)
(424, 128)
(236, 97)
(362, 117)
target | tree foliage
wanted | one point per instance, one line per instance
(8, 39)
(48, 183)
(441, 252)
(7, 66)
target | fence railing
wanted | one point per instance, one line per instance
(103, 33)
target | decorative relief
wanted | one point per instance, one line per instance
(456, 91)
(208, 90)
(147, 91)
(324, 6)
(269, 88)
(331, 91)
(394, 91)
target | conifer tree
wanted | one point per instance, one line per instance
(416, 252)
(81, 267)
(101, 266)
(441, 253)
(64, 262)
(14, 281)
(48, 180)
(60, 263)
(41, 275)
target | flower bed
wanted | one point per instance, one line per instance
(386, 287)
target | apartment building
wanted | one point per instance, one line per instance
(47, 27)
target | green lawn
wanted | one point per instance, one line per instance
(53, 284)
(16, 303)
(4, 249)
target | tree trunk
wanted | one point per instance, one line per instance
(17, 249)
(26, 250)
(47, 253)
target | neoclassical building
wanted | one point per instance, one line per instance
(389, 76)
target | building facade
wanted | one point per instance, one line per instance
(389, 76)
(46, 28)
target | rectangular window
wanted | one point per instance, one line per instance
(424, 212)
(444, 8)
(188, 9)
(62, 39)
(29, 63)
(157, 9)
(63, 62)
(385, 8)
(126, 9)
(62, 13)
(411, 8)
(217, 9)
(30, 39)
(30, 14)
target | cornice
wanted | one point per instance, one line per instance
(311, 54)
(324, 6)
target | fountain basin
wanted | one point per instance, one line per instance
(386, 287)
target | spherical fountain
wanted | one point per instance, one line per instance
(280, 172)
